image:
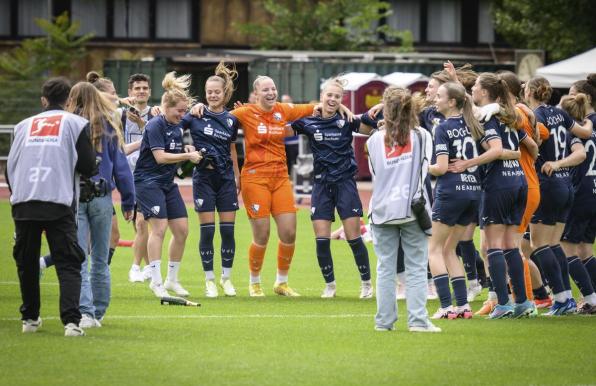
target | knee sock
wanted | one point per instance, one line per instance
(562, 259)
(552, 270)
(325, 259)
(361, 258)
(536, 261)
(285, 252)
(468, 256)
(110, 255)
(228, 247)
(442, 286)
(540, 293)
(528, 280)
(206, 248)
(515, 268)
(590, 264)
(400, 259)
(256, 255)
(481, 270)
(498, 274)
(459, 290)
(580, 276)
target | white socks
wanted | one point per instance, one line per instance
(209, 275)
(281, 278)
(156, 272)
(173, 267)
(255, 279)
(226, 272)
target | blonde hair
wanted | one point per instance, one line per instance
(462, 102)
(399, 115)
(540, 89)
(258, 80)
(336, 81)
(88, 102)
(498, 91)
(577, 106)
(176, 89)
(226, 77)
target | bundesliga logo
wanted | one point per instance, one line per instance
(45, 130)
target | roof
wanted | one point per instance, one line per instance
(405, 79)
(562, 74)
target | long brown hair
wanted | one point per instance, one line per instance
(540, 89)
(462, 102)
(88, 102)
(399, 114)
(225, 76)
(498, 91)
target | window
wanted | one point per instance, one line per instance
(4, 17)
(29, 10)
(131, 18)
(91, 14)
(405, 16)
(444, 21)
(174, 19)
(486, 28)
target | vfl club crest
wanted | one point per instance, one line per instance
(277, 116)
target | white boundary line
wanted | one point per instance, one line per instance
(248, 316)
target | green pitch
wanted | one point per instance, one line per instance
(275, 340)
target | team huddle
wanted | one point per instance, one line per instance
(501, 157)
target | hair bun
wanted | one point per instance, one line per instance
(591, 78)
(92, 77)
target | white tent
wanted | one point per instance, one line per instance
(405, 79)
(356, 80)
(562, 74)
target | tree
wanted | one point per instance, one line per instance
(53, 54)
(325, 25)
(562, 28)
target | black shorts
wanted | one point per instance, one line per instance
(504, 206)
(581, 223)
(455, 211)
(211, 190)
(342, 195)
(556, 200)
(160, 201)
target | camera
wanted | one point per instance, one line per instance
(91, 189)
(207, 161)
(419, 211)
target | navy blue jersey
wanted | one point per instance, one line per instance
(584, 174)
(158, 134)
(430, 118)
(214, 132)
(452, 138)
(331, 145)
(501, 174)
(558, 144)
(372, 122)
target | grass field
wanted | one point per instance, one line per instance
(275, 340)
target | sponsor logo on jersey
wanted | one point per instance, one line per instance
(45, 130)
(155, 210)
(262, 129)
(208, 130)
(277, 116)
(318, 136)
(172, 145)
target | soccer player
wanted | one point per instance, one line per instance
(266, 189)
(455, 204)
(134, 121)
(158, 197)
(330, 138)
(215, 179)
(503, 199)
(557, 154)
(581, 223)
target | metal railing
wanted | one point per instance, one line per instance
(6, 130)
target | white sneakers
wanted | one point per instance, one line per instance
(428, 328)
(473, 291)
(227, 286)
(88, 321)
(135, 275)
(158, 290)
(31, 325)
(176, 288)
(366, 290)
(211, 289)
(329, 291)
(146, 272)
(72, 329)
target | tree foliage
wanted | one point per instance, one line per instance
(49, 55)
(325, 25)
(560, 27)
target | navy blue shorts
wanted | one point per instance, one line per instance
(160, 201)
(455, 211)
(342, 195)
(505, 206)
(581, 223)
(211, 190)
(556, 200)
